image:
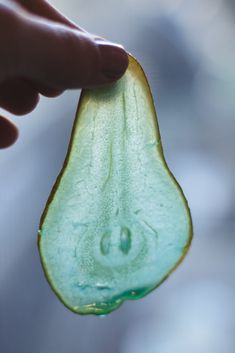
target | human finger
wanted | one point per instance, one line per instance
(8, 133)
(18, 96)
(62, 58)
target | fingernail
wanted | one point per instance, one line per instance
(114, 60)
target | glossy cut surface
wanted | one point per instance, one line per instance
(116, 223)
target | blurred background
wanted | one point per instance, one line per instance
(187, 49)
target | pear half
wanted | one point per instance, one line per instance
(116, 223)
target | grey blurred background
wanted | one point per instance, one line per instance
(187, 49)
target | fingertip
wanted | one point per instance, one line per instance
(8, 133)
(114, 60)
(21, 107)
(18, 96)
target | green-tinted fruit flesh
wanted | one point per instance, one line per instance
(116, 223)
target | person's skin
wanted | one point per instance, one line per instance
(42, 52)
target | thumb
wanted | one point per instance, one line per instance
(60, 57)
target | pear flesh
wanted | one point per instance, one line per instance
(116, 223)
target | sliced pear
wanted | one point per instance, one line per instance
(116, 223)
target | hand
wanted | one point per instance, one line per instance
(42, 52)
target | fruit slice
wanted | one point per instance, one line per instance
(116, 223)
